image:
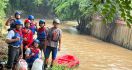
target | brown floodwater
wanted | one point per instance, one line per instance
(95, 54)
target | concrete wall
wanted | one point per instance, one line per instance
(121, 35)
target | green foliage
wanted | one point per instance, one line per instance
(35, 7)
(38, 2)
(66, 9)
(109, 9)
(121, 7)
(73, 9)
(3, 4)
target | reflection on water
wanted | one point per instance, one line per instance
(95, 54)
(71, 30)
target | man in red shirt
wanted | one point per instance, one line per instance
(27, 35)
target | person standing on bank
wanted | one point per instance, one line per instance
(42, 33)
(33, 24)
(54, 38)
(27, 36)
(11, 21)
(14, 40)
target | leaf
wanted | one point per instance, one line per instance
(123, 14)
(107, 6)
(113, 10)
(130, 20)
(129, 16)
(105, 20)
(128, 24)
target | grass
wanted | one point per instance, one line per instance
(58, 67)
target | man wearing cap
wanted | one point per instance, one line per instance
(14, 40)
(11, 21)
(54, 38)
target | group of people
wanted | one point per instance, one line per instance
(21, 42)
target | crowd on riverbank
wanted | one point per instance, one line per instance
(21, 42)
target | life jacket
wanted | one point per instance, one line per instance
(33, 27)
(36, 53)
(18, 34)
(41, 34)
(33, 58)
(26, 34)
(34, 50)
(55, 34)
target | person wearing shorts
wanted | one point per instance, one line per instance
(54, 38)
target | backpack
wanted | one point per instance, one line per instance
(55, 35)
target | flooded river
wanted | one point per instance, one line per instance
(95, 54)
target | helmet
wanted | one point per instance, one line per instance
(18, 22)
(41, 21)
(17, 13)
(36, 41)
(27, 21)
(31, 17)
(56, 21)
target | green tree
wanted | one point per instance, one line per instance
(73, 9)
(3, 4)
(35, 7)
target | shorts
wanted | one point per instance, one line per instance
(49, 50)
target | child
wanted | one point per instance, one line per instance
(42, 35)
(33, 53)
(54, 38)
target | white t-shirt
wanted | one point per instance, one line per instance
(10, 34)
